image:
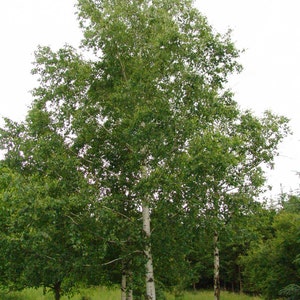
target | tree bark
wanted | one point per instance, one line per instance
(57, 290)
(126, 292)
(150, 285)
(129, 295)
(123, 286)
(240, 280)
(216, 267)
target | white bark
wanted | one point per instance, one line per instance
(130, 295)
(150, 285)
(126, 294)
(216, 267)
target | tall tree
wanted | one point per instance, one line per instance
(155, 82)
(227, 161)
(150, 111)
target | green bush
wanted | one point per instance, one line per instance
(292, 292)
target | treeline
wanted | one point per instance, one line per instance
(135, 165)
(259, 252)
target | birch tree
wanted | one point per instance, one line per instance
(144, 107)
(155, 81)
(224, 169)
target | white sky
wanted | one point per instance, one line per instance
(267, 29)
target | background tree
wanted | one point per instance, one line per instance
(271, 266)
(242, 230)
(224, 169)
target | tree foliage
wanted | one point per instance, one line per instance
(45, 204)
(148, 120)
(272, 266)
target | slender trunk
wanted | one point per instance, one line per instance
(57, 290)
(216, 267)
(130, 295)
(123, 285)
(126, 290)
(240, 280)
(150, 286)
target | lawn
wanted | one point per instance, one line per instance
(114, 294)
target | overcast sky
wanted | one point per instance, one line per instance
(267, 29)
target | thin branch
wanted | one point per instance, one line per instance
(123, 68)
(72, 219)
(120, 258)
(112, 261)
(116, 212)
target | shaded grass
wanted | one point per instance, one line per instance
(209, 295)
(114, 294)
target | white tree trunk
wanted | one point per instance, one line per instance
(216, 267)
(150, 285)
(130, 295)
(126, 293)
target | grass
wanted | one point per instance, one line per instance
(114, 294)
(208, 295)
(86, 294)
